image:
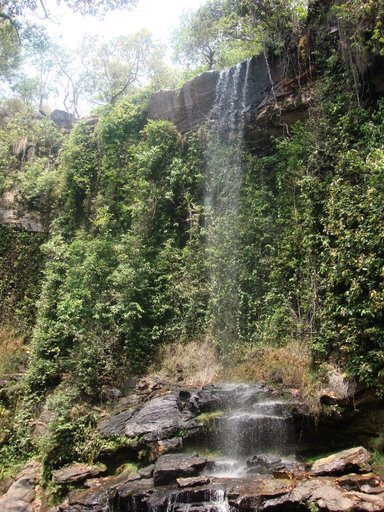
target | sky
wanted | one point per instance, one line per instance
(160, 17)
(67, 28)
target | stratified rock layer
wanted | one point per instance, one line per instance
(179, 465)
(76, 473)
(342, 462)
(191, 106)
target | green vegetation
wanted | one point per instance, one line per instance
(21, 266)
(208, 419)
(223, 32)
(124, 273)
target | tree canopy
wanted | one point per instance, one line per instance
(223, 32)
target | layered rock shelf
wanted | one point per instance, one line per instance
(359, 491)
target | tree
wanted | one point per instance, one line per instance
(97, 7)
(16, 32)
(75, 69)
(119, 64)
(198, 39)
(43, 75)
(9, 48)
(222, 32)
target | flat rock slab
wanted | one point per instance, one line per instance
(21, 494)
(172, 466)
(76, 473)
(224, 396)
(192, 481)
(147, 472)
(356, 482)
(342, 462)
(328, 496)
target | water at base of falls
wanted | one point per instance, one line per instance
(264, 429)
(214, 501)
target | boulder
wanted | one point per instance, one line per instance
(115, 424)
(63, 119)
(346, 461)
(21, 494)
(170, 467)
(76, 473)
(159, 418)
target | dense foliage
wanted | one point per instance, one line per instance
(20, 275)
(223, 32)
(121, 274)
(130, 266)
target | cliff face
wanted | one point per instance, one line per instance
(11, 214)
(191, 106)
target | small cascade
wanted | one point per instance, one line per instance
(257, 438)
(265, 427)
(193, 500)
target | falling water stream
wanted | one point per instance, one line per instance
(256, 434)
(224, 176)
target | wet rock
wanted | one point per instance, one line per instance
(21, 494)
(346, 461)
(356, 482)
(97, 497)
(166, 446)
(266, 461)
(181, 500)
(262, 494)
(191, 106)
(187, 107)
(192, 481)
(76, 473)
(217, 396)
(172, 466)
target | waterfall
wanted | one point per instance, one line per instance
(223, 183)
(261, 426)
(264, 427)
